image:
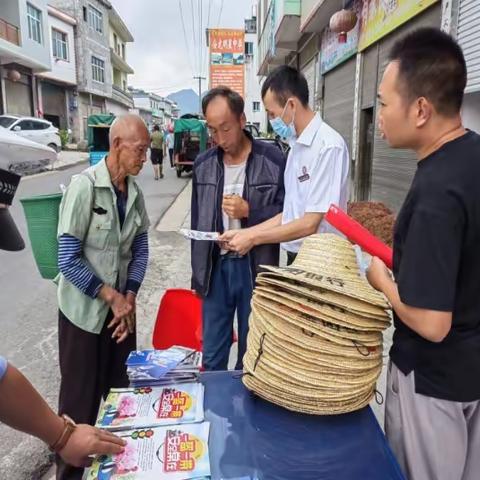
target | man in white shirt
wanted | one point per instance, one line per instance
(317, 168)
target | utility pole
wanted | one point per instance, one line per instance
(199, 78)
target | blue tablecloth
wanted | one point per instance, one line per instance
(256, 440)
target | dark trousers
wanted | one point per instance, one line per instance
(170, 154)
(291, 257)
(90, 364)
(230, 291)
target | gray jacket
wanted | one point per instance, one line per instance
(263, 190)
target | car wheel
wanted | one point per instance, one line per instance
(55, 147)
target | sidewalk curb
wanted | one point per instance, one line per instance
(68, 165)
(57, 169)
(174, 216)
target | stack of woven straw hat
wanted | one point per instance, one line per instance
(315, 339)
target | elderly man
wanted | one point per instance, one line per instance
(103, 254)
(21, 406)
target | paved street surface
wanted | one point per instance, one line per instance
(29, 312)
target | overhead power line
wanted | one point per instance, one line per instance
(187, 51)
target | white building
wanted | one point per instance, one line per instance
(254, 109)
(154, 109)
(121, 101)
(24, 51)
(57, 88)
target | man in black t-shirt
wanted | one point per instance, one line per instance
(432, 417)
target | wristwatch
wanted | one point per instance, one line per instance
(68, 429)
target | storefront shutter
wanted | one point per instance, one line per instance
(339, 98)
(468, 35)
(393, 169)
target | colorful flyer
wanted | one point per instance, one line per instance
(161, 453)
(143, 407)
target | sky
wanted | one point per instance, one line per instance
(164, 59)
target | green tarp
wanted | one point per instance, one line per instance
(97, 132)
(194, 126)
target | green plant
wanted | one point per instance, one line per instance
(64, 137)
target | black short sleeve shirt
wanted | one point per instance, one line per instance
(437, 267)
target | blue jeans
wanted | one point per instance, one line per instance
(231, 288)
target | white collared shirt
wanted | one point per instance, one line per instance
(316, 175)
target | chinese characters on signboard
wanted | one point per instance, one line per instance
(227, 59)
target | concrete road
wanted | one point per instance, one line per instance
(28, 336)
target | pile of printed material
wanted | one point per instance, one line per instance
(163, 367)
(315, 341)
(164, 427)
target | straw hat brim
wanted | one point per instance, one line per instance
(321, 311)
(294, 403)
(353, 289)
(271, 353)
(303, 287)
(314, 327)
(300, 340)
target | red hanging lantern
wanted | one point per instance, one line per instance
(342, 22)
(13, 75)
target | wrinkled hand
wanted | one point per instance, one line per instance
(87, 440)
(242, 242)
(121, 331)
(228, 235)
(132, 318)
(378, 274)
(120, 306)
(122, 310)
(235, 207)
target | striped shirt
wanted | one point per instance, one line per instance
(77, 271)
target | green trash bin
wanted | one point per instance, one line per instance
(41, 213)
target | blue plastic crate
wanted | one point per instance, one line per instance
(96, 157)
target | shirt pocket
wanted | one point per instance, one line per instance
(261, 195)
(99, 231)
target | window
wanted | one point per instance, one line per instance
(249, 48)
(123, 51)
(39, 125)
(95, 19)
(256, 106)
(34, 16)
(98, 70)
(59, 45)
(6, 122)
(24, 125)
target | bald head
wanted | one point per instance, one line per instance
(128, 127)
(129, 142)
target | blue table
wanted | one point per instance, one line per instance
(251, 439)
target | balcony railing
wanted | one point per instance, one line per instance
(9, 32)
(121, 96)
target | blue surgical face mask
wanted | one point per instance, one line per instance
(281, 128)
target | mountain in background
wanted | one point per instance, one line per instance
(187, 101)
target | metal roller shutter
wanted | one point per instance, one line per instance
(468, 35)
(392, 169)
(339, 98)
